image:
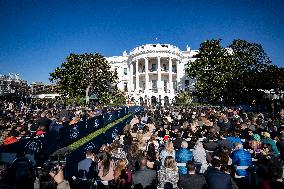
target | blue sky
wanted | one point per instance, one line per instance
(37, 35)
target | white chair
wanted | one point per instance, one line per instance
(240, 168)
(181, 164)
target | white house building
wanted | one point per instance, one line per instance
(153, 73)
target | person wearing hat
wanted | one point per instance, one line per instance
(255, 144)
(268, 140)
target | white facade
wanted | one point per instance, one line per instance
(153, 72)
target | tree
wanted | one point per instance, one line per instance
(213, 69)
(183, 98)
(232, 75)
(251, 73)
(79, 72)
(116, 98)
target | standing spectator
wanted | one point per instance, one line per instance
(183, 155)
(168, 173)
(191, 180)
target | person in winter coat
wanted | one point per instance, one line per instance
(240, 157)
(268, 140)
(199, 156)
(183, 155)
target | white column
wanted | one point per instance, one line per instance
(159, 82)
(170, 75)
(178, 74)
(137, 77)
(146, 75)
(131, 77)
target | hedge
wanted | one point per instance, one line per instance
(94, 134)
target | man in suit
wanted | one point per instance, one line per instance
(144, 176)
(87, 167)
(217, 179)
(191, 180)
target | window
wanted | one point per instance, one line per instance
(125, 87)
(175, 86)
(174, 69)
(125, 71)
(166, 86)
(154, 67)
(154, 84)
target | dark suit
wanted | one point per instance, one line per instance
(192, 181)
(217, 179)
(85, 164)
(144, 176)
(87, 168)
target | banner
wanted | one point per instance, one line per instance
(136, 109)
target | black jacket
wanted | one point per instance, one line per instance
(192, 182)
(217, 179)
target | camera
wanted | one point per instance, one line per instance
(50, 166)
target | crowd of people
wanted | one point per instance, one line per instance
(20, 120)
(181, 148)
(194, 148)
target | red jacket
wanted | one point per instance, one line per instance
(10, 140)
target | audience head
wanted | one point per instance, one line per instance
(170, 163)
(216, 163)
(169, 147)
(184, 144)
(143, 162)
(190, 167)
(238, 146)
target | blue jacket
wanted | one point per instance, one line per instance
(241, 158)
(234, 140)
(183, 155)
